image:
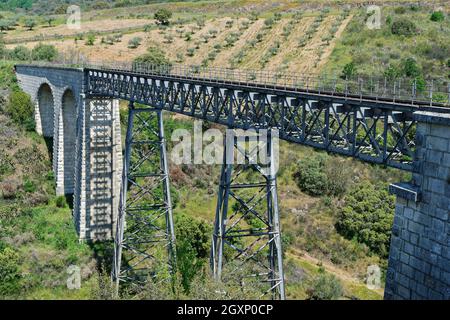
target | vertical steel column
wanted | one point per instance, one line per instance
(247, 227)
(145, 229)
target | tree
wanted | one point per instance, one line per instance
(49, 20)
(154, 56)
(162, 16)
(5, 25)
(325, 287)
(30, 23)
(367, 217)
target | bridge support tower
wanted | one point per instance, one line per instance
(419, 259)
(247, 235)
(145, 231)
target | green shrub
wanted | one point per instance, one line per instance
(392, 73)
(325, 287)
(154, 56)
(404, 27)
(9, 272)
(20, 108)
(29, 186)
(44, 52)
(349, 70)
(6, 164)
(367, 217)
(20, 53)
(322, 175)
(193, 237)
(162, 16)
(269, 22)
(134, 42)
(410, 68)
(90, 41)
(437, 16)
(310, 176)
(61, 202)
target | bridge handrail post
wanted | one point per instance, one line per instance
(361, 84)
(448, 94)
(395, 90)
(431, 93)
(346, 86)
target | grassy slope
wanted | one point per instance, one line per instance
(41, 233)
(374, 50)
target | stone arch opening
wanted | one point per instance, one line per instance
(46, 111)
(69, 119)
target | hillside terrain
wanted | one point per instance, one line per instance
(336, 212)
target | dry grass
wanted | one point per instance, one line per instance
(86, 26)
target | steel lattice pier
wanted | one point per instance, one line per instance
(247, 228)
(145, 232)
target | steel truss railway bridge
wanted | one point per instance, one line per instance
(126, 195)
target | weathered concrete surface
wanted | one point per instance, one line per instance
(419, 260)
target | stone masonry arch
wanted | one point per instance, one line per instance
(69, 116)
(45, 110)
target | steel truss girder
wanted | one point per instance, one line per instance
(257, 247)
(145, 228)
(374, 132)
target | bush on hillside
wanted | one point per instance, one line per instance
(20, 108)
(162, 16)
(349, 70)
(134, 42)
(437, 16)
(90, 41)
(325, 287)
(404, 27)
(154, 56)
(20, 53)
(322, 175)
(9, 272)
(367, 217)
(411, 68)
(193, 238)
(44, 52)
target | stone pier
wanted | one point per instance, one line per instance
(419, 260)
(99, 169)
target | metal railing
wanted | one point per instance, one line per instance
(414, 91)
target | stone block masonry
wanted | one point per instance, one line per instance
(100, 170)
(419, 260)
(87, 150)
